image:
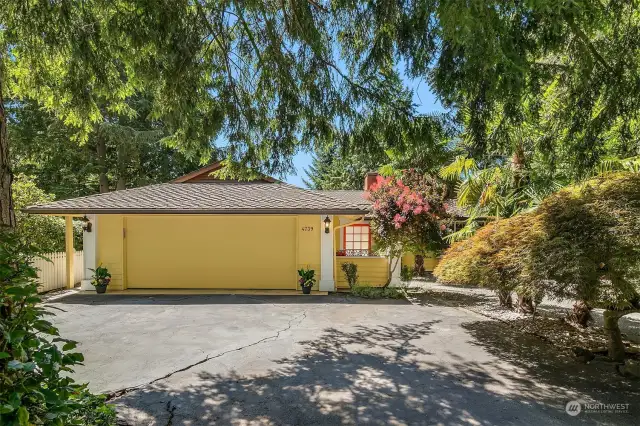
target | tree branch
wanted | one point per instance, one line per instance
(577, 31)
(250, 36)
(620, 314)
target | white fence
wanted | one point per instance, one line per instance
(52, 275)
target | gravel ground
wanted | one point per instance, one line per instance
(485, 301)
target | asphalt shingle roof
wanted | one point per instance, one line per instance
(358, 197)
(206, 198)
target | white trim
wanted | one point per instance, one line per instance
(326, 256)
(89, 247)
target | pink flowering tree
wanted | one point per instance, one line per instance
(409, 214)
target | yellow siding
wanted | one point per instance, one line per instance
(110, 248)
(211, 252)
(372, 271)
(309, 231)
(429, 262)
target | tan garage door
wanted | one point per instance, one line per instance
(228, 252)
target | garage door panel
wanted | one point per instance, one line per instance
(210, 252)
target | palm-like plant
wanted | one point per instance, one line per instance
(505, 180)
(499, 190)
(613, 164)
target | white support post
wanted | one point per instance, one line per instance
(89, 253)
(327, 256)
(396, 267)
(69, 251)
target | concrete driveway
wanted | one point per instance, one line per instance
(200, 360)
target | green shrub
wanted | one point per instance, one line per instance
(367, 292)
(45, 233)
(494, 257)
(406, 273)
(588, 248)
(34, 360)
(350, 270)
(582, 243)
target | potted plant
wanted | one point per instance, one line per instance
(307, 279)
(100, 279)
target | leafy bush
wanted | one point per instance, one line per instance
(493, 258)
(589, 248)
(582, 243)
(350, 270)
(34, 360)
(46, 233)
(367, 292)
(406, 273)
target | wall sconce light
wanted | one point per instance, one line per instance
(87, 224)
(327, 224)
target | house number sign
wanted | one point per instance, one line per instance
(307, 228)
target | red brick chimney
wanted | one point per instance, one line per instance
(369, 179)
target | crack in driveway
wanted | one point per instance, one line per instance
(121, 392)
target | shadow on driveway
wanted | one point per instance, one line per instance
(541, 364)
(379, 375)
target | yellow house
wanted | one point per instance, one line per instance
(199, 232)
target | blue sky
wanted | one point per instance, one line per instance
(425, 100)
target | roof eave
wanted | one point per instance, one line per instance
(75, 211)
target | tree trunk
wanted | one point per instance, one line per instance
(7, 215)
(525, 304)
(101, 149)
(391, 268)
(614, 338)
(505, 298)
(580, 313)
(122, 167)
(419, 265)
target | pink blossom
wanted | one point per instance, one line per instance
(406, 207)
(398, 220)
(417, 210)
(443, 227)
